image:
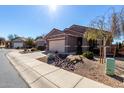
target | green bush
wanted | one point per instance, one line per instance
(17, 47)
(42, 48)
(51, 56)
(88, 54)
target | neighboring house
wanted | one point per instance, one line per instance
(70, 40)
(40, 42)
(121, 51)
(8, 44)
(123, 43)
(2, 42)
(18, 42)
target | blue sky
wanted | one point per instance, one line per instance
(32, 21)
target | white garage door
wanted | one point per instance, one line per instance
(58, 45)
(18, 44)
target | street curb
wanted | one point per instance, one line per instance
(31, 71)
(10, 61)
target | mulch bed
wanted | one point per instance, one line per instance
(96, 71)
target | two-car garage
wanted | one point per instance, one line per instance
(18, 44)
(57, 45)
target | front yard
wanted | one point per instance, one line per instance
(96, 71)
(92, 69)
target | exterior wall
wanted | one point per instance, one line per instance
(40, 43)
(2, 44)
(70, 44)
(85, 44)
(108, 50)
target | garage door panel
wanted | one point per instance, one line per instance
(58, 45)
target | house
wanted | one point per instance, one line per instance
(2, 42)
(40, 42)
(70, 40)
(121, 51)
(18, 42)
(122, 43)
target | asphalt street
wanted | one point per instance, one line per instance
(9, 77)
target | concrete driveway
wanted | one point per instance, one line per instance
(9, 77)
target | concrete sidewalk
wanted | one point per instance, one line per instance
(42, 75)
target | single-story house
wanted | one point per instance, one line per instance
(40, 42)
(2, 42)
(18, 42)
(70, 40)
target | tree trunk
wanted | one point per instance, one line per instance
(104, 46)
(100, 54)
(104, 54)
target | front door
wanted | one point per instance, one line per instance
(79, 45)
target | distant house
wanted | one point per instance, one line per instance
(18, 42)
(8, 44)
(40, 42)
(70, 40)
(2, 42)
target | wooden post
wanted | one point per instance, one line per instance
(100, 54)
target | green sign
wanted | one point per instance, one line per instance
(110, 66)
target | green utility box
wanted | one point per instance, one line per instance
(110, 66)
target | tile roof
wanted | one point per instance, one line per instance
(78, 28)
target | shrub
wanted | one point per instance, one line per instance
(17, 47)
(88, 54)
(42, 48)
(51, 56)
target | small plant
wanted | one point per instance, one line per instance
(88, 55)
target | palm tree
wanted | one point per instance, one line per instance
(107, 28)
